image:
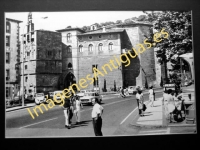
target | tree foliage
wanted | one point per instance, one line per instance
(178, 25)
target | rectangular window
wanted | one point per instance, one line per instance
(26, 79)
(7, 74)
(7, 57)
(26, 67)
(7, 28)
(49, 53)
(7, 91)
(7, 41)
(28, 38)
(28, 53)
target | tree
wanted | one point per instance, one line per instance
(68, 27)
(118, 22)
(115, 89)
(178, 26)
(179, 41)
(128, 21)
(142, 18)
(85, 28)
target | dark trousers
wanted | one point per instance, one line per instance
(97, 124)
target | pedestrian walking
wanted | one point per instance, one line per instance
(151, 96)
(71, 110)
(66, 108)
(121, 93)
(170, 104)
(140, 101)
(97, 112)
(77, 110)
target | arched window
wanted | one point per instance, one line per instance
(90, 48)
(69, 49)
(69, 35)
(100, 47)
(7, 27)
(80, 48)
(69, 66)
(110, 46)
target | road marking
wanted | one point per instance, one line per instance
(128, 115)
(131, 113)
(106, 104)
(37, 123)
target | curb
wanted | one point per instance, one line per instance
(182, 125)
(146, 126)
(19, 108)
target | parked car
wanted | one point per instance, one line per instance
(49, 95)
(132, 90)
(30, 97)
(58, 98)
(89, 96)
(17, 99)
(40, 98)
(81, 93)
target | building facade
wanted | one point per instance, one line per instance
(95, 49)
(12, 52)
(42, 64)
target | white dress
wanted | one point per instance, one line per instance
(140, 100)
(171, 104)
(151, 95)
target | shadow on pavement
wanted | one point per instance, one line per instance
(82, 123)
(147, 115)
(157, 105)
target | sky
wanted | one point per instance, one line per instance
(60, 20)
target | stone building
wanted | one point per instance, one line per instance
(12, 51)
(42, 60)
(96, 48)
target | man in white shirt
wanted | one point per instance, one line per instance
(97, 111)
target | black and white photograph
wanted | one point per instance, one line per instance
(99, 73)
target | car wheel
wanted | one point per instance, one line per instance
(37, 103)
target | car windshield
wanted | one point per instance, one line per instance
(59, 93)
(39, 94)
(89, 94)
(82, 91)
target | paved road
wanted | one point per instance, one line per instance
(51, 123)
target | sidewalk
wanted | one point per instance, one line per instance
(20, 107)
(153, 116)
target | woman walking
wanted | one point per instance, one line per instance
(151, 96)
(170, 104)
(77, 111)
(140, 100)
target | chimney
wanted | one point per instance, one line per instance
(104, 29)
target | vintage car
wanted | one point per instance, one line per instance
(40, 98)
(89, 96)
(81, 93)
(56, 96)
(132, 90)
